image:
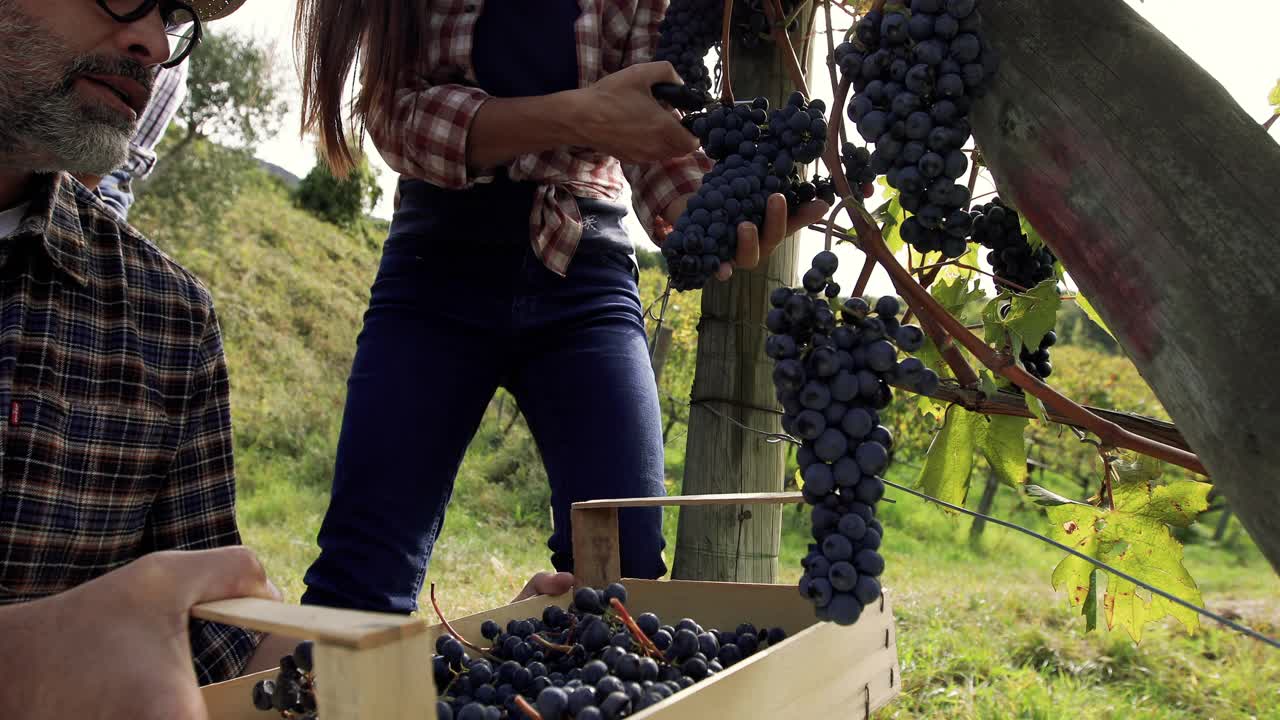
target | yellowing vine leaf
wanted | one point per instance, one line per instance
(947, 466)
(1274, 96)
(891, 216)
(1133, 537)
(1002, 444)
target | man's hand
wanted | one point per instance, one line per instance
(619, 116)
(752, 245)
(546, 583)
(126, 632)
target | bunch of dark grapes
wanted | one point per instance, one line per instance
(292, 692)
(914, 78)
(1036, 361)
(751, 22)
(857, 167)
(581, 662)
(832, 373)
(999, 229)
(687, 32)
(757, 154)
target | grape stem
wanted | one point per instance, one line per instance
(973, 174)
(835, 82)
(726, 39)
(1271, 121)
(930, 310)
(868, 266)
(773, 8)
(528, 710)
(831, 157)
(566, 649)
(641, 639)
(925, 281)
(956, 263)
(483, 651)
(831, 223)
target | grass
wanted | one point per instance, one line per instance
(981, 634)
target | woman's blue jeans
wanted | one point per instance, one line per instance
(443, 331)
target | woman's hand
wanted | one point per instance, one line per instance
(619, 116)
(753, 245)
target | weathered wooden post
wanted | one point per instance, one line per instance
(1158, 193)
(734, 378)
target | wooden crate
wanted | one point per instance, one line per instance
(383, 662)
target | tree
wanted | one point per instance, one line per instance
(341, 201)
(234, 94)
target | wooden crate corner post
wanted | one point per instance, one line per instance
(367, 665)
(823, 669)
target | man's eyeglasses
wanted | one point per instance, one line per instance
(180, 23)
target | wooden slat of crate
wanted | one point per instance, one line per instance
(820, 670)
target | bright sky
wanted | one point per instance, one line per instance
(1238, 59)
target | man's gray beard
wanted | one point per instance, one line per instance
(46, 127)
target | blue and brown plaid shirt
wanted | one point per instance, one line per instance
(115, 432)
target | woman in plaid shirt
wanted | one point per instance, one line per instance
(515, 127)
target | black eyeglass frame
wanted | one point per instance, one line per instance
(145, 7)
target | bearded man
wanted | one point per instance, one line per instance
(115, 425)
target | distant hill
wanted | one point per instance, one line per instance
(290, 180)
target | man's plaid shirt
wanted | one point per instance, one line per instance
(426, 136)
(115, 435)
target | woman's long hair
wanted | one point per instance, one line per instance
(379, 38)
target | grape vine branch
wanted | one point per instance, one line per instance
(938, 324)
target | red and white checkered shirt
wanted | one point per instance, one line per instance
(426, 136)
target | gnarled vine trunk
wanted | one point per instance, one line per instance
(1161, 196)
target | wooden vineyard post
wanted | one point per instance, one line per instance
(733, 377)
(367, 665)
(1159, 194)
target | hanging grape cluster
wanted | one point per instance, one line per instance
(914, 76)
(757, 153)
(832, 372)
(998, 228)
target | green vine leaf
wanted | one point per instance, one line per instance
(949, 462)
(1033, 237)
(1036, 406)
(987, 382)
(1001, 440)
(891, 215)
(1022, 319)
(957, 293)
(1274, 96)
(1091, 313)
(930, 408)
(954, 296)
(1134, 537)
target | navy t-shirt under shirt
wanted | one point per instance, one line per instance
(520, 48)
